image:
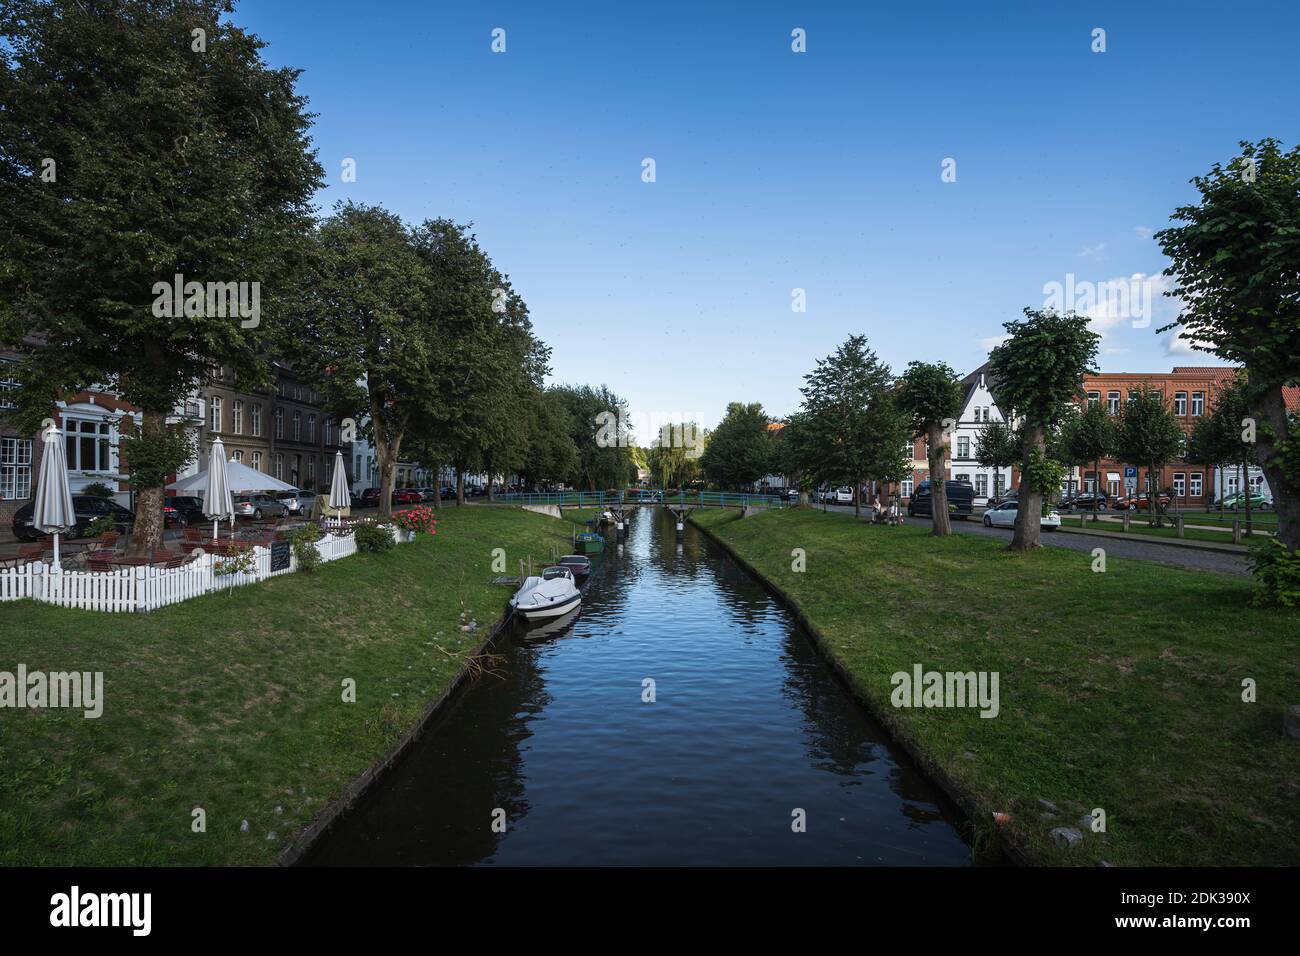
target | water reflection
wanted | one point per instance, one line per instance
(747, 725)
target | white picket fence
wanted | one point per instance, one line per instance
(146, 588)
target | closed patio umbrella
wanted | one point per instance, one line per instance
(52, 511)
(217, 500)
(339, 496)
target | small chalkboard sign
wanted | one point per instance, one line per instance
(279, 555)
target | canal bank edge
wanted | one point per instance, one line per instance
(309, 836)
(928, 765)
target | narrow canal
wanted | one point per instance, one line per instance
(747, 726)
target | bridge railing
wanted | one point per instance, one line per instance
(644, 496)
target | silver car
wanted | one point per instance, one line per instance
(258, 506)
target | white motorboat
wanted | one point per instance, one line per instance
(554, 593)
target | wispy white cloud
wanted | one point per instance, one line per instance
(1143, 232)
(1092, 252)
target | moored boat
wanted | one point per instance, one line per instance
(589, 542)
(579, 564)
(550, 594)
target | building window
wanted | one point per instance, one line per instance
(296, 473)
(279, 466)
(256, 461)
(255, 420)
(1094, 398)
(356, 467)
(997, 483)
(1180, 404)
(1196, 484)
(237, 416)
(963, 446)
(311, 473)
(1132, 395)
(279, 423)
(329, 431)
(1198, 404)
(216, 414)
(297, 426)
(1112, 402)
(15, 468)
(9, 385)
(311, 427)
(87, 445)
(981, 486)
(237, 456)
(907, 487)
(1180, 485)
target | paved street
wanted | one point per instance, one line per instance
(1141, 550)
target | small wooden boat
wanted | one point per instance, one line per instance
(553, 593)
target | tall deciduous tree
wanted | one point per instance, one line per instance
(1091, 439)
(1038, 370)
(931, 395)
(131, 154)
(739, 451)
(998, 445)
(1148, 434)
(1234, 261)
(674, 456)
(366, 335)
(598, 426)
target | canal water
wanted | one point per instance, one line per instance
(748, 725)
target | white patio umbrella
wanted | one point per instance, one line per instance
(240, 479)
(52, 511)
(339, 496)
(217, 500)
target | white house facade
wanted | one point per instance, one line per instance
(979, 407)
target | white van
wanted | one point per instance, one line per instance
(844, 496)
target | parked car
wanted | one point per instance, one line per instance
(407, 496)
(961, 499)
(1084, 500)
(1139, 502)
(792, 494)
(426, 494)
(995, 500)
(87, 508)
(291, 499)
(843, 496)
(1238, 501)
(186, 509)
(259, 505)
(369, 497)
(1004, 516)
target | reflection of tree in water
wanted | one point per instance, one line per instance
(842, 738)
(457, 774)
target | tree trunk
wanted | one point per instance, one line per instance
(491, 487)
(437, 488)
(1156, 512)
(1029, 512)
(460, 486)
(147, 531)
(1245, 484)
(857, 498)
(941, 524)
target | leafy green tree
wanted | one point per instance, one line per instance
(1090, 439)
(931, 395)
(739, 450)
(598, 426)
(852, 416)
(1038, 371)
(796, 455)
(998, 445)
(1148, 434)
(1233, 260)
(674, 456)
(1228, 425)
(127, 158)
(367, 334)
(485, 366)
(552, 455)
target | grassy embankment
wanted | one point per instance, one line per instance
(233, 702)
(1120, 690)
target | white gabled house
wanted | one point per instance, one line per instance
(979, 406)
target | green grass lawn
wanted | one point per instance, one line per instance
(1119, 690)
(233, 702)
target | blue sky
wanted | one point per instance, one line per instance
(778, 170)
